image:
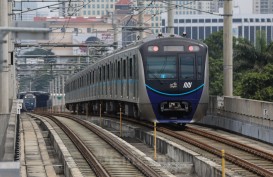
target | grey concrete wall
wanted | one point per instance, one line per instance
(248, 117)
(4, 119)
(11, 134)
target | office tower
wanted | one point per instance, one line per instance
(263, 6)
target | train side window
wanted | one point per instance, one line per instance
(130, 68)
(135, 67)
(93, 76)
(118, 69)
(104, 73)
(199, 68)
(108, 71)
(96, 75)
(124, 69)
(80, 82)
(100, 74)
(90, 76)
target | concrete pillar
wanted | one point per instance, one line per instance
(228, 51)
(140, 17)
(4, 68)
(170, 27)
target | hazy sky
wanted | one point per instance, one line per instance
(244, 5)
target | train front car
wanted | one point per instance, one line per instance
(176, 80)
(29, 102)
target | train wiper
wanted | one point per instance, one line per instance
(157, 78)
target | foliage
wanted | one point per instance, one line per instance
(252, 66)
(258, 85)
(39, 51)
(216, 76)
(215, 45)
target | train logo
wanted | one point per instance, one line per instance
(187, 85)
(173, 85)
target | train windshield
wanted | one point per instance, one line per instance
(187, 67)
(161, 67)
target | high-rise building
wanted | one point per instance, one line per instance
(98, 8)
(201, 27)
(196, 7)
(263, 6)
(88, 8)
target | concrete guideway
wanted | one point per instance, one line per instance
(34, 156)
(68, 164)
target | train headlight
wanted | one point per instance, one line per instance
(194, 48)
(153, 48)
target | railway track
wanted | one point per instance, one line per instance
(98, 149)
(253, 160)
(241, 158)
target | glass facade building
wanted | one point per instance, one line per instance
(200, 27)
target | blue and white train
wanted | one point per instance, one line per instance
(162, 79)
(29, 102)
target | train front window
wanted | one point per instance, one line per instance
(187, 67)
(163, 67)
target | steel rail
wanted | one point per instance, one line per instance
(265, 155)
(87, 154)
(232, 158)
(144, 168)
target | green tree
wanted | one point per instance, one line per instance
(215, 45)
(258, 85)
(251, 66)
(216, 76)
(252, 57)
(39, 51)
